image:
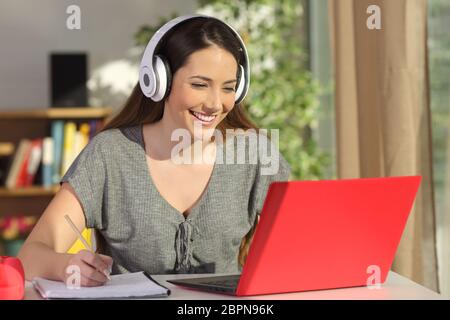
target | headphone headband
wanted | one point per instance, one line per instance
(154, 76)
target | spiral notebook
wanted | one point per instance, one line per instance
(127, 285)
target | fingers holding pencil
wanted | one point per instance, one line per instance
(95, 268)
(108, 260)
(99, 268)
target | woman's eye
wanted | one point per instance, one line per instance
(229, 89)
(199, 85)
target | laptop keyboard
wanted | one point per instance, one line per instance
(229, 283)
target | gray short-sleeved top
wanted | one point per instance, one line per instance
(141, 231)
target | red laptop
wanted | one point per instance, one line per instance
(325, 234)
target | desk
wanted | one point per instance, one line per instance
(396, 287)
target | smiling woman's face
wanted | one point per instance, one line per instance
(203, 91)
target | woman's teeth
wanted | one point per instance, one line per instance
(202, 117)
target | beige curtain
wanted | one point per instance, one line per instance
(383, 114)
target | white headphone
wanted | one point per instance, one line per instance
(154, 72)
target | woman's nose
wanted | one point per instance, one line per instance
(214, 101)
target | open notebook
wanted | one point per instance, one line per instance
(127, 285)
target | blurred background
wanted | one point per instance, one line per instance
(349, 101)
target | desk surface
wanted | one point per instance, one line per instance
(396, 287)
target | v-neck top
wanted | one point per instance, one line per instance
(141, 231)
(150, 179)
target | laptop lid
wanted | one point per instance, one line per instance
(327, 234)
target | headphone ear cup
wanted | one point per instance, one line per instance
(160, 66)
(168, 77)
(240, 86)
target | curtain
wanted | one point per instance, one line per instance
(383, 114)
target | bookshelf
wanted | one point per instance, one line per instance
(31, 124)
(57, 113)
(34, 191)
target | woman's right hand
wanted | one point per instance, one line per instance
(92, 267)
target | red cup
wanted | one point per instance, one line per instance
(12, 279)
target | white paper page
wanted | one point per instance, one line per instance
(120, 286)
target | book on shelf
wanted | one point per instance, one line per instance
(18, 159)
(68, 154)
(34, 161)
(48, 158)
(45, 160)
(6, 154)
(57, 134)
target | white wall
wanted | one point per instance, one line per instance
(30, 30)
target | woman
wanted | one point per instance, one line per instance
(150, 212)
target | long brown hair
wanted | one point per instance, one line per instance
(183, 40)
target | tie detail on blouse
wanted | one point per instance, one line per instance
(183, 247)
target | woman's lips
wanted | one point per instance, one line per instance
(202, 118)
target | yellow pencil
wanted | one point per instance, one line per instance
(80, 236)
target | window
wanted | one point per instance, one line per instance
(322, 71)
(439, 73)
